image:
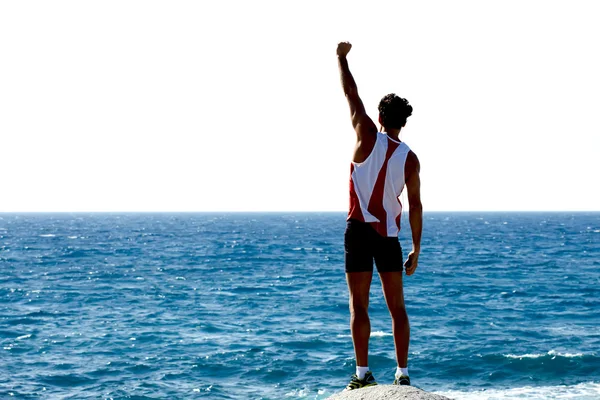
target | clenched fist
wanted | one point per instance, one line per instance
(343, 48)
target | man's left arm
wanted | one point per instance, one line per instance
(415, 212)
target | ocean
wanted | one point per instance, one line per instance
(255, 306)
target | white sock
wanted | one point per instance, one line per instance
(401, 371)
(361, 371)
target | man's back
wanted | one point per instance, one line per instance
(376, 185)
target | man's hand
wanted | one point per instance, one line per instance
(343, 49)
(411, 263)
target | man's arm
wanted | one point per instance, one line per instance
(415, 211)
(363, 125)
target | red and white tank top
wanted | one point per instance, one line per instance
(376, 185)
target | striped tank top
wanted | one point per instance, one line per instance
(376, 185)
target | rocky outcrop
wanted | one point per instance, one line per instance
(387, 392)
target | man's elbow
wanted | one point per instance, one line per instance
(415, 207)
(351, 93)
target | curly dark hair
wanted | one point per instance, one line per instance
(394, 110)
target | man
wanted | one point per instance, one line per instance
(381, 166)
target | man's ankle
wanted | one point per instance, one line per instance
(401, 371)
(361, 372)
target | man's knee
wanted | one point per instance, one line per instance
(358, 308)
(399, 314)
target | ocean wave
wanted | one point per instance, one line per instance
(582, 391)
(373, 334)
(551, 353)
(24, 337)
(380, 334)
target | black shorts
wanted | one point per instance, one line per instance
(362, 245)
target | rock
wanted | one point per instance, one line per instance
(387, 392)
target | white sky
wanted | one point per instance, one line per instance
(237, 105)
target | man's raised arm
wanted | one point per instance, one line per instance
(360, 120)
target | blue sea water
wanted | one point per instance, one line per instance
(254, 306)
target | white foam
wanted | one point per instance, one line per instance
(380, 334)
(297, 393)
(24, 337)
(568, 355)
(552, 353)
(524, 356)
(373, 334)
(47, 235)
(582, 391)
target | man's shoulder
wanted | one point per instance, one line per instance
(410, 153)
(412, 161)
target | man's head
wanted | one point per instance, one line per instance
(393, 111)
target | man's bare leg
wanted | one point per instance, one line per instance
(394, 297)
(359, 285)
